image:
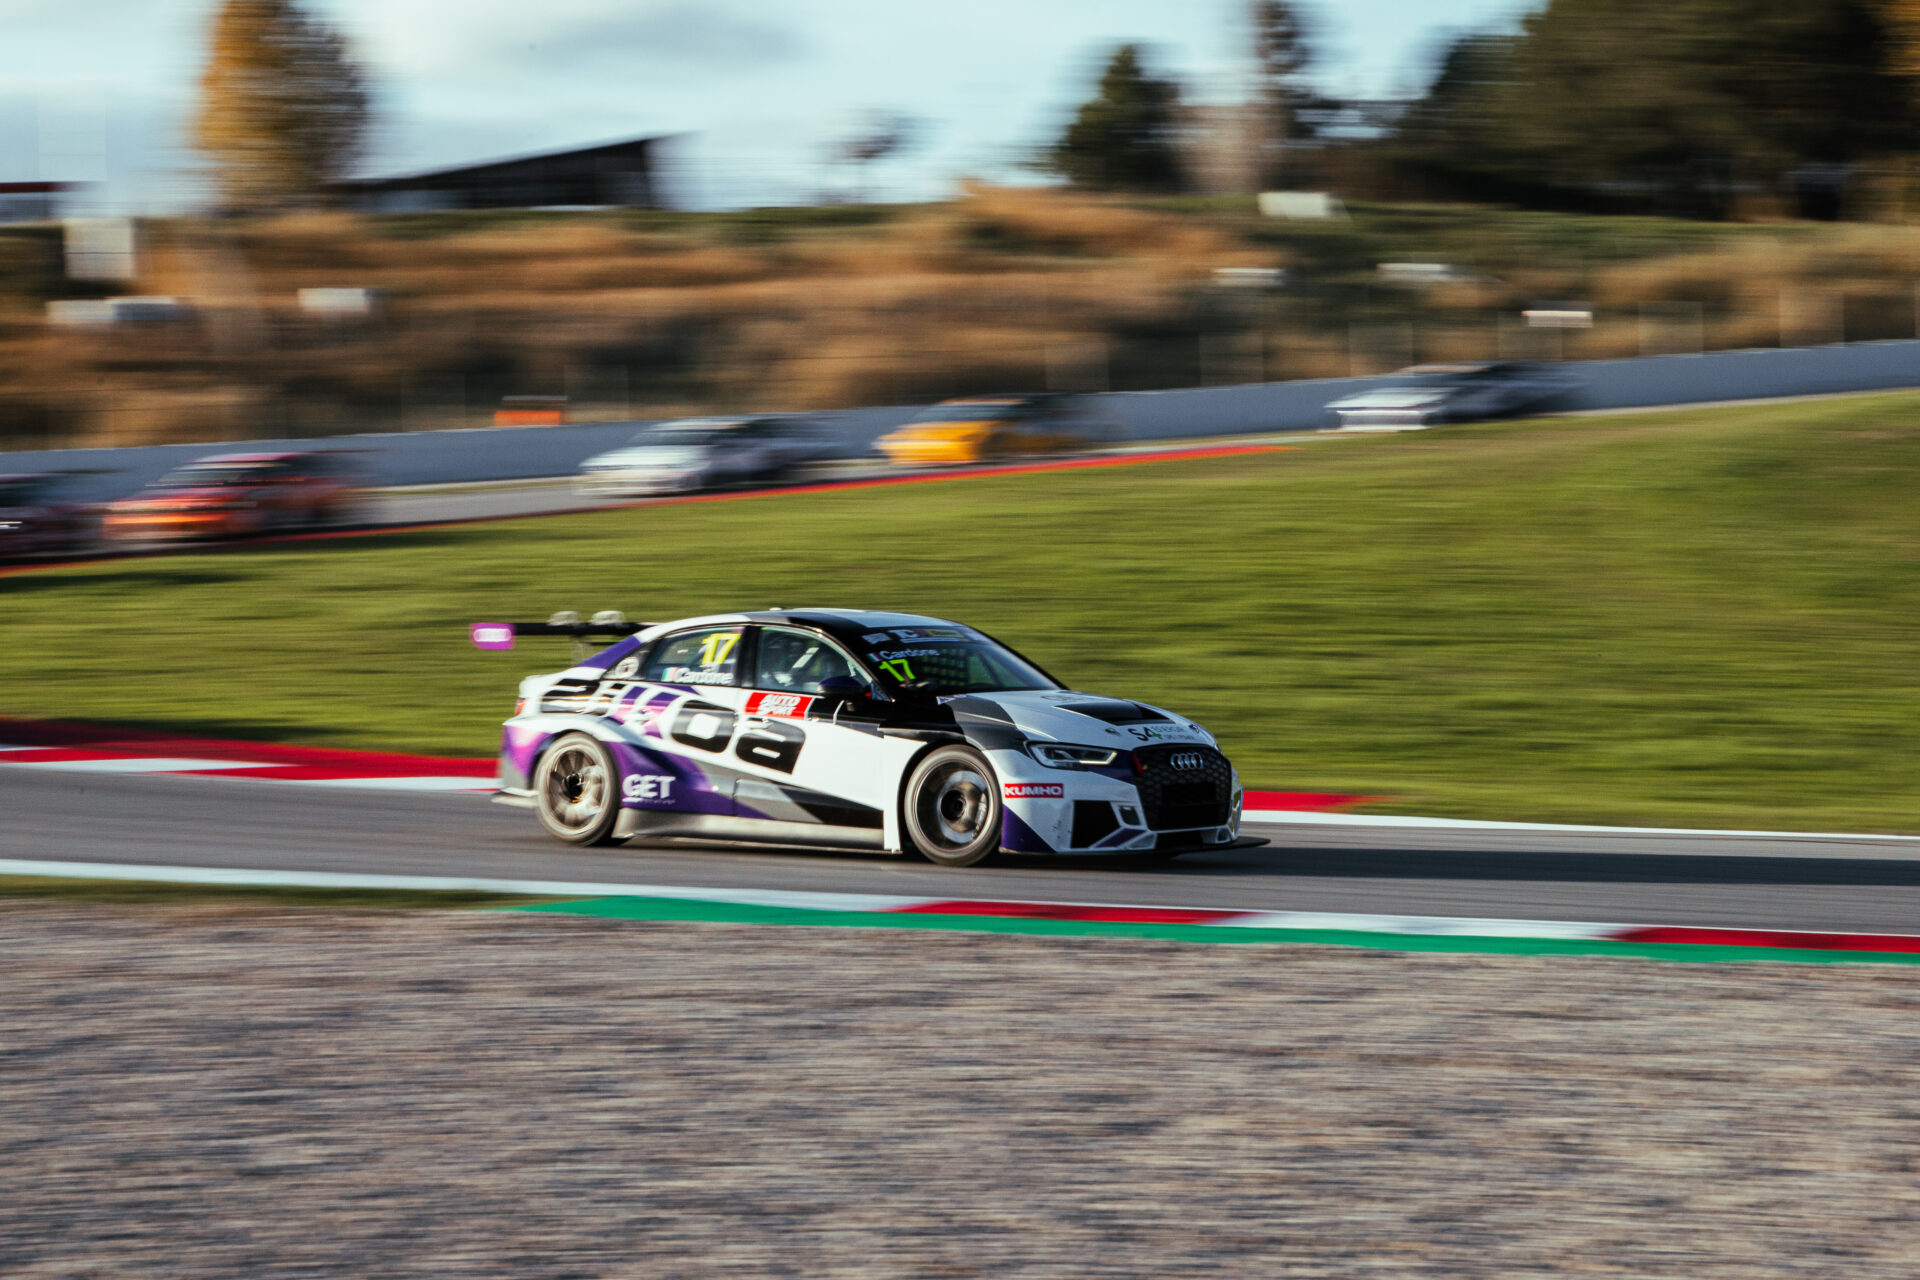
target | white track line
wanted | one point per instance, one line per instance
(450, 884)
(385, 784)
(1433, 926)
(134, 764)
(1299, 817)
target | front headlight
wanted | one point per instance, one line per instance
(1057, 755)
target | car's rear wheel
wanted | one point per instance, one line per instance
(951, 807)
(577, 790)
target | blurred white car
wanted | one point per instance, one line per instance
(1428, 394)
(705, 453)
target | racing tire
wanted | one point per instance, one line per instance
(576, 790)
(950, 808)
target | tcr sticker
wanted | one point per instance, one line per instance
(786, 705)
(1036, 791)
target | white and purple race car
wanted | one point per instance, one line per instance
(847, 728)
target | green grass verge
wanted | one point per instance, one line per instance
(153, 893)
(1695, 618)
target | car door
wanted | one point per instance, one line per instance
(685, 708)
(783, 445)
(812, 759)
(759, 452)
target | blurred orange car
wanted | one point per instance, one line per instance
(240, 495)
(990, 429)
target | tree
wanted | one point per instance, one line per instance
(1123, 138)
(1281, 50)
(1671, 104)
(283, 109)
(879, 135)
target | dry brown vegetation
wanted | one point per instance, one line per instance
(637, 314)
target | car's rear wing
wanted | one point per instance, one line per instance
(607, 625)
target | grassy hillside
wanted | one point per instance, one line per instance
(1693, 618)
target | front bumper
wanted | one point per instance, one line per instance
(931, 453)
(636, 484)
(1090, 811)
(145, 526)
(1385, 419)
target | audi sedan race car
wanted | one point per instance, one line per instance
(1426, 395)
(705, 453)
(239, 495)
(851, 729)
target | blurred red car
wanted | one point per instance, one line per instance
(241, 495)
(39, 517)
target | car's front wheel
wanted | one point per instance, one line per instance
(951, 807)
(577, 790)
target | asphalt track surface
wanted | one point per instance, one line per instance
(397, 510)
(1862, 885)
(556, 495)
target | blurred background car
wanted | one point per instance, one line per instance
(1434, 393)
(40, 516)
(240, 495)
(993, 428)
(706, 453)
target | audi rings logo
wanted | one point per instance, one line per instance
(1188, 761)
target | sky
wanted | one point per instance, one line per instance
(101, 90)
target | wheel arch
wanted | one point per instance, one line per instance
(593, 729)
(898, 815)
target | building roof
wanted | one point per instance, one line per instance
(591, 157)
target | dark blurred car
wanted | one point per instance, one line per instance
(241, 495)
(993, 428)
(705, 453)
(1429, 394)
(40, 516)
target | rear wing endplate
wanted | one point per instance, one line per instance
(607, 625)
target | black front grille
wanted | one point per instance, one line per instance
(1093, 821)
(1181, 799)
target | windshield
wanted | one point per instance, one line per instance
(947, 660)
(218, 477)
(680, 441)
(977, 411)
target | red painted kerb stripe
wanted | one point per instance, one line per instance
(1907, 944)
(78, 740)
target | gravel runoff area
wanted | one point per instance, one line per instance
(252, 1091)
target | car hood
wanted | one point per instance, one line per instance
(943, 430)
(650, 458)
(1067, 715)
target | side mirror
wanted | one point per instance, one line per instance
(844, 689)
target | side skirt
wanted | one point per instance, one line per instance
(642, 824)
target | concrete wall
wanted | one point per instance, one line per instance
(507, 453)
